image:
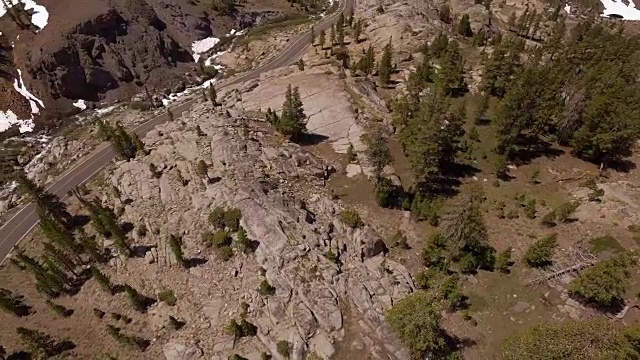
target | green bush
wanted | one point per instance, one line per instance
(232, 219)
(284, 348)
(331, 256)
(540, 253)
(221, 238)
(216, 218)
(265, 289)
(242, 241)
(605, 283)
(530, 209)
(503, 261)
(549, 220)
(351, 218)
(564, 211)
(225, 252)
(416, 322)
(168, 297)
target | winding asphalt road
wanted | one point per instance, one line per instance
(21, 224)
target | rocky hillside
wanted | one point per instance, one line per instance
(332, 282)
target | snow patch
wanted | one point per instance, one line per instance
(39, 17)
(80, 104)
(613, 7)
(9, 119)
(33, 101)
(567, 9)
(202, 46)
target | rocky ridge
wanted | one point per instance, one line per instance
(278, 187)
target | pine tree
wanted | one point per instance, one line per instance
(450, 79)
(481, 109)
(49, 205)
(340, 22)
(59, 309)
(138, 301)
(464, 26)
(291, 122)
(357, 31)
(340, 36)
(445, 13)
(511, 23)
(322, 39)
(465, 233)
(12, 303)
(89, 246)
(213, 96)
(41, 345)
(367, 62)
(176, 248)
(385, 67)
(169, 114)
(104, 221)
(138, 144)
(312, 34)
(332, 36)
(45, 281)
(301, 65)
(126, 146)
(102, 280)
(60, 258)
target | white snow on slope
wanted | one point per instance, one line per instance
(34, 101)
(40, 16)
(80, 104)
(202, 46)
(8, 119)
(567, 9)
(613, 7)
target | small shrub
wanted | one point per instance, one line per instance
(534, 178)
(232, 219)
(207, 238)
(242, 241)
(331, 256)
(168, 297)
(265, 356)
(564, 211)
(539, 254)
(549, 220)
(221, 238)
(265, 289)
(503, 261)
(530, 209)
(225, 252)
(142, 230)
(351, 154)
(284, 348)
(216, 218)
(400, 240)
(351, 218)
(98, 313)
(175, 323)
(513, 214)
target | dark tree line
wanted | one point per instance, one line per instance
(580, 89)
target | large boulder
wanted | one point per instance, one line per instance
(174, 350)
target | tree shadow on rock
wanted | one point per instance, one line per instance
(310, 139)
(140, 250)
(196, 261)
(127, 227)
(78, 221)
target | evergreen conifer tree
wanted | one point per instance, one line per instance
(322, 39)
(213, 96)
(41, 345)
(102, 280)
(12, 303)
(464, 26)
(176, 248)
(385, 67)
(291, 122)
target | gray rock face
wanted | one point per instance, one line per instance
(292, 219)
(177, 351)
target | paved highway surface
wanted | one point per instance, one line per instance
(26, 219)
